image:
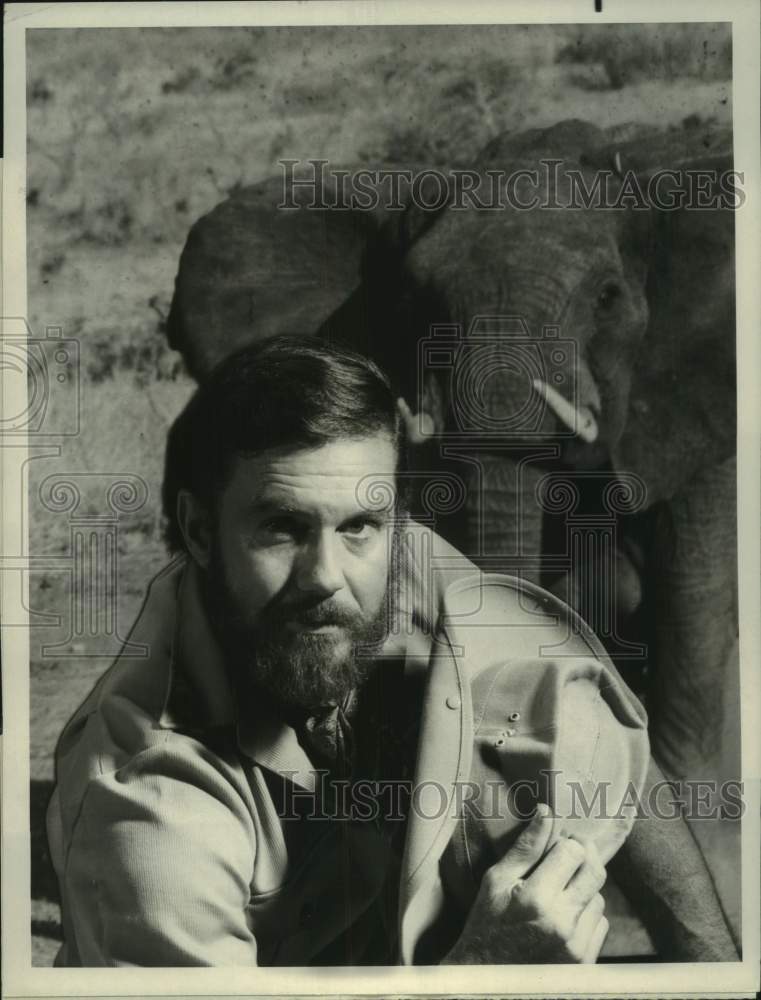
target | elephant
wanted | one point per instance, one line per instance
(625, 310)
(637, 402)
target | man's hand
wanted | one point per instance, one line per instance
(554, 914)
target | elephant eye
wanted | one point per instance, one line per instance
(608, 297)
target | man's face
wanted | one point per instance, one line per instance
(299, 566)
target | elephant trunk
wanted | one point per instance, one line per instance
(502, 525)
(500, 393)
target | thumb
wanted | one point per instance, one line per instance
(528, 849)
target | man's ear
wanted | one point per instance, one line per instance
(195, 525)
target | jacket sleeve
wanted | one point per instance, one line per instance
(159, 866)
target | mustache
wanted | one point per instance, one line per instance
(315, 614)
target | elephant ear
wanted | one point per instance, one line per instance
(251, 269)
(682, 411)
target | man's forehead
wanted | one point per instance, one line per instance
(345, 470)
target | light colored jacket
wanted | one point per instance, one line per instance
(165, 828)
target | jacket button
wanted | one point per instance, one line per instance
(454, 701)
(514, 716)
(306, 914)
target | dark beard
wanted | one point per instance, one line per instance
(297, 670)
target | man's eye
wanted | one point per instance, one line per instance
(360, 527)
(281, 526)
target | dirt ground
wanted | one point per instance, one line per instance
(133, 134)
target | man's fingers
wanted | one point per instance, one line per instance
(589, 878)
(596, 941)
(558, 866)
(590, 931)
(527, 849)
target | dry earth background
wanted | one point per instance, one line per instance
(135, 133)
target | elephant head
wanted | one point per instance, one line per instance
(573, 278)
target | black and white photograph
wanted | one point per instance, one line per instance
(380, 456)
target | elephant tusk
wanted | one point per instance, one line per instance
(581, 421)
(419, 426)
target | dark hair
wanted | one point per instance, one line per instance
(280, 392)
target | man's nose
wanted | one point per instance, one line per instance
(319, 570)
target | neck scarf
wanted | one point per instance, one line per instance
(329, 737)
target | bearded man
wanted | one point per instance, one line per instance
(293, 637)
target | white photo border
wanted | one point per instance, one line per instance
(20, 979)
